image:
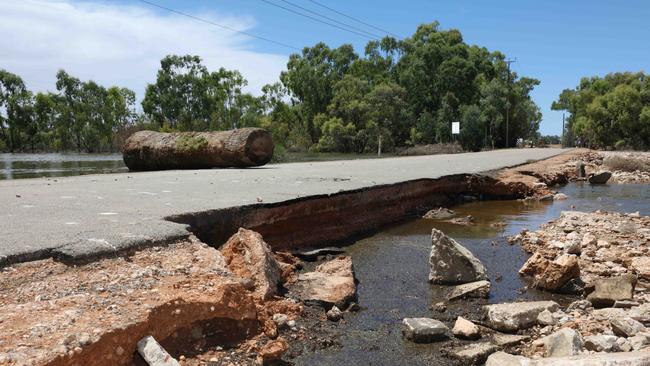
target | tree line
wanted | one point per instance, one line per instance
(398, 93)
(608, 112)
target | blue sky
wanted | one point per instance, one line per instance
(556, 42)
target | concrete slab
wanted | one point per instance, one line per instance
(97, 214)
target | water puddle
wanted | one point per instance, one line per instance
(392, 269)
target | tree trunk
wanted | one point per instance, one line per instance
(149, 150)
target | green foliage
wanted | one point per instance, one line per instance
(610, 111)
(471, 133)
(398, 93)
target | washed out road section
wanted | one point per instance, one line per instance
(87, 215)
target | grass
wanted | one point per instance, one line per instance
(626, 163)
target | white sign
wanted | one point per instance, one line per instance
(455, 128)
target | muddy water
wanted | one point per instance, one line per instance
(392, 269)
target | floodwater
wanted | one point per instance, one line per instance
(392, 269)
(18, 166)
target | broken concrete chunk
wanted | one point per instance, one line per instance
(439, 213)
(546, 318)
(506, 340)
(564, 342)
(478, 289)
(601, 343)
(641, 266)
(451, 263)
(505, 359)
(510, 317)
(464, 328)
(626, 327)
(474, 354)
(332, 283)
(153, 353)
(606, 291)
(424, 330)
(248, 256)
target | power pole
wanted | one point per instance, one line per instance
(562, 141)
(508, 62)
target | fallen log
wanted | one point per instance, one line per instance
(150, 150)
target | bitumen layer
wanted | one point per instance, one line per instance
(89, 215)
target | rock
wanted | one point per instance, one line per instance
(313, 255)
(626, 327)
(451, 263)
(564, 342)
(641, 266)
(546, 318)
(601, 343)
(478, 289)
(624, 344)
(600, 178)
(465, 220)
(580, 305)
(440, 307)
(639, 341)
(424, 330)
(272, 350)
(506, 340)
(505, 359)
(510, 317)
(280, 320)
(588, 240)
(473, 354)
(439, 213)
(334, 314)
(625, 304)
(464, 328)
(153, 353)
(559, 197)
(248, 256)
(331, 283)
(606, 291)
(637, 358)
(551, 275)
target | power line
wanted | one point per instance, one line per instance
(330, 19)
(316, 19)
(353, 18)
(218, 25)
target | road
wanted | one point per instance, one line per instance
(93, 213)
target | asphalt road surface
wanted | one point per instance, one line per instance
(90, 214)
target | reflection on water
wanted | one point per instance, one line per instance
(17, 166)
(392, 268)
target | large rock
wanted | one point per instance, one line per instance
(564, 342)
(464, 328)
(641, 265)
(248, 256)
(473, 354)
(439, 213)
(551, 275)
(626, 327)
(600, 178)
(601, 343)
(510, 317)
(637, 358)
(606, 291)
(424, 330)
(331, 283)
(451, 263)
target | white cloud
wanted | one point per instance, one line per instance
(118, 44)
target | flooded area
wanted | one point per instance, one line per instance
(19, 166)
(392, 269)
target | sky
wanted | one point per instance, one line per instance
(121, 42)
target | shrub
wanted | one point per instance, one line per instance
(626, 163)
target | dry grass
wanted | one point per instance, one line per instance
(627, 163)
